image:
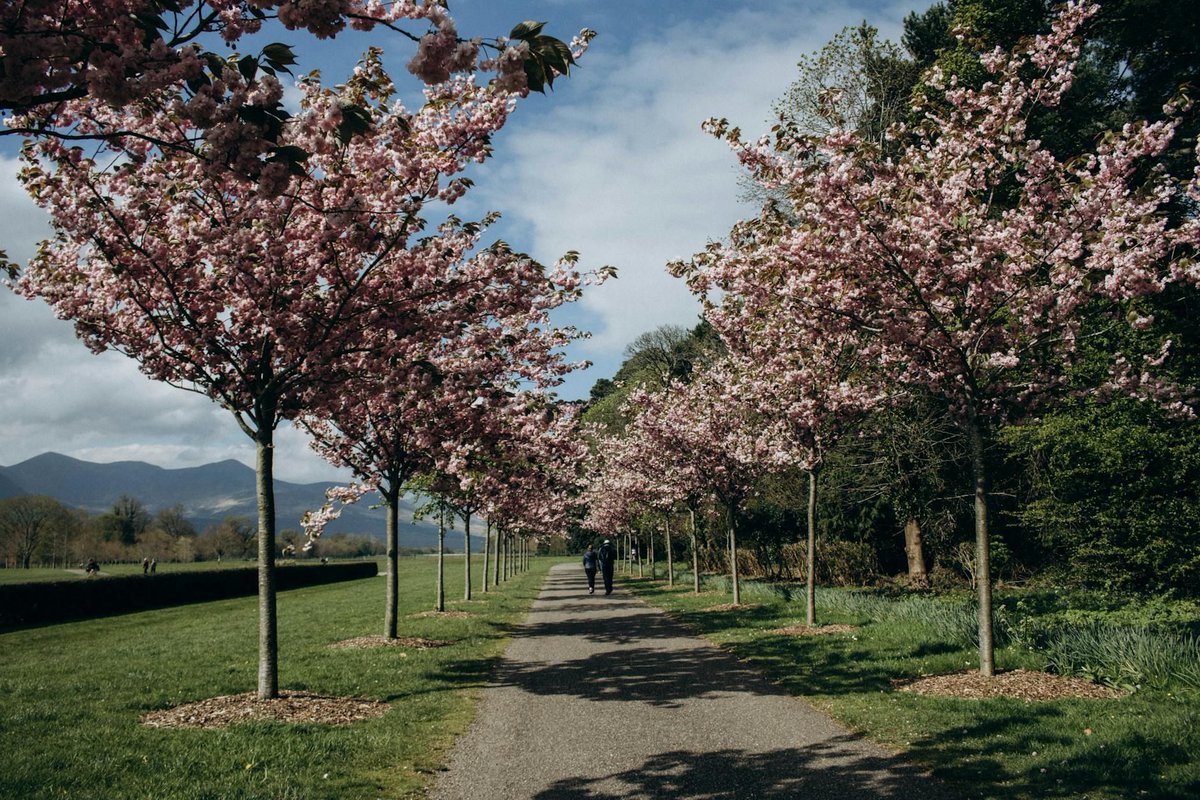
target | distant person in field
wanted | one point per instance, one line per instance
(145, 566)
(590, 562)
(153, 565)
(608, 560)
(92, 567)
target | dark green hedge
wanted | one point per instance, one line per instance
(58, 601)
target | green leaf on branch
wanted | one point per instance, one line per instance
(535, 74)
(527, 30)
(294, 157)
(355, 120)
(248, 66)
(279, 57)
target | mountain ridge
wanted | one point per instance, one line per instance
(208, 493)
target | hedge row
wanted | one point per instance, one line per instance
(47, 602)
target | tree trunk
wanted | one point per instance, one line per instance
(810, 558)
(487, 547)
(670, 561)
(268, 633)
(441, 563)
(496, 560)
(914, 548)
(695, 553)
(733, 566)
(392, 579)
(983, 569)
(467, 554)
(650, 553)
(506, 543)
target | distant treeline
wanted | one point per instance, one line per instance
(40, 531)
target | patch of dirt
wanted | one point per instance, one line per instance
(220, 712)
(813, 630)
(1018, 683)
(413, 642)
(445, 614)
(732, 607)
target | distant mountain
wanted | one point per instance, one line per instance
(8, 487)
(208, 494)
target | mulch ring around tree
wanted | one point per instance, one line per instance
(295, 707)
(1015, 683)
(411, 642)
(812, 630)
(445, 614)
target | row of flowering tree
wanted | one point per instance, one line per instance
(299, 285)
(684, 444)
(957, 258)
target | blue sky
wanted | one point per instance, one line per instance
(612, 163)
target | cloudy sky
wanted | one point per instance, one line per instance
(612, 164)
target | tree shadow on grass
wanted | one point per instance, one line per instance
(979, 754)
(817, 771)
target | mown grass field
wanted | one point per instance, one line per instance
(38, 574)
(71, 695)
(1144, 745)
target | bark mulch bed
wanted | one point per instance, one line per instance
(812, 630)
(412, 642)
(1017, 683)
(295, 707)
(445, 614)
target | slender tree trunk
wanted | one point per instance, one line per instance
(507, 544)
(268, 633)
(392, 579)
(670, 561)
(695, 553)
(496, 561)
(733, 565)
(810, 560)
(650, 553)
(467, 554)
(641, 560)
(983, 569)
(487, 547)
(441, 563)
(914, 548)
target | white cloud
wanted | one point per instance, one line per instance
(619, 169)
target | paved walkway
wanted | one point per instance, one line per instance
(604, 697)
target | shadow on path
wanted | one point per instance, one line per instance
(785, 773)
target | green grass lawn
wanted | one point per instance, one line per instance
(1145, 745)
(71, 695)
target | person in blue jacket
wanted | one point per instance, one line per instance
(589, 568)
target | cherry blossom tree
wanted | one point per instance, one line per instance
(720, 440)
(428, 396)
(57, 54)
(963, 263)
(252, 293)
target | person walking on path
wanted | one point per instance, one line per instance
(589, 568)
(608, 561)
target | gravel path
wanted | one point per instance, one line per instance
(604, 697)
